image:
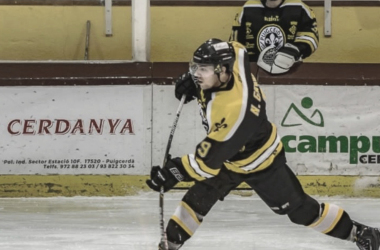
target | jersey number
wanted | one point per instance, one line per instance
(203, 149)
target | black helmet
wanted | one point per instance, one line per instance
(215, 51)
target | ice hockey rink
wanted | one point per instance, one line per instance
(132, 223)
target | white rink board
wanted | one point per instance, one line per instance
(351, 113)
(75, 130)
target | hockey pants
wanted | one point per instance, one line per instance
(277, 186)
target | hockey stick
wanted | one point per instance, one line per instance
(164, 241)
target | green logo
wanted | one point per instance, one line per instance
(306, 103)
(352, 145)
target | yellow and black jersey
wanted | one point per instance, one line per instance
(239, 134)
(257, 27)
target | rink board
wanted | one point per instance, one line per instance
(326, 130)
(331, 138)
(54, 130)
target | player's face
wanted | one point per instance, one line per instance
(204, 75)
(272, 3)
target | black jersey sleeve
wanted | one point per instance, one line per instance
(307, 36)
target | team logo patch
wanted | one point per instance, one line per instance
(271, 35)
(220, 125)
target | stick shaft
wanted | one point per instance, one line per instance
(168, 146)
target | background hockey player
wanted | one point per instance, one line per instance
(241, 146)
(276, 33)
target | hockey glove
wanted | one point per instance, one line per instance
(278, 62)
(285, 58)
(266, 58)
(165, 177)
(185, 85)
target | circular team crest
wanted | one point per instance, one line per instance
(270, 35)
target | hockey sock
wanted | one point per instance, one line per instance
(183, 224)
(333, 221)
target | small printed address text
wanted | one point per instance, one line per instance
(75, 163)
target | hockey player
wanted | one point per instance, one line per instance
(241, 146)
(276, 33)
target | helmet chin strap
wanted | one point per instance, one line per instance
(218, 75)
(228, 79)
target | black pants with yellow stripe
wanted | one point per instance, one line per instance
(277, 186)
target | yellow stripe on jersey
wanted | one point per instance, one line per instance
(226, 110)
(258, 165)
(265, 161)
(197, 169)
(329, 219)
(309, 38)
(261, 150)
(311, 35)
(186, 218)
(205, 168)
(186, 164)
(261, 158)
(307, 41)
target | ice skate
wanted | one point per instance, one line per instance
(161, 247)
(171, 245)
(366, 238)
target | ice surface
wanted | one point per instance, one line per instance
(132, 223)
